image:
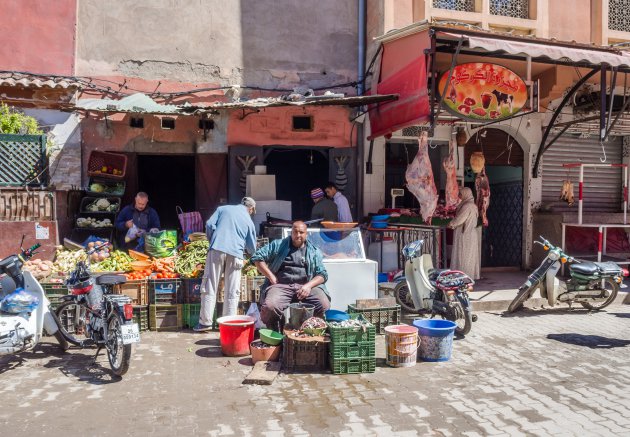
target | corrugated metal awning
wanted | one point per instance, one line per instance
(136, 103)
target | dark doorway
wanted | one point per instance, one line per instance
(169, 180)
(297, 172)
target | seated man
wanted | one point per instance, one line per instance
(295, 273)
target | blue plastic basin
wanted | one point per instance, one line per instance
(336, 316)
(378, 225)
(380, 218)
(436, 339)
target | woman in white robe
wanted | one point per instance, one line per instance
(465, 255)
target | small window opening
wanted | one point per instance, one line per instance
(302, 123)
(137, 122)
(206, 124)
(168, 123)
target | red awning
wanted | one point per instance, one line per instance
(403, 71)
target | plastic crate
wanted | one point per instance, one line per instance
(141, 316)
(69, 318)
(191, 314)
(113, 188)
(55, 300)
(363, 349)
(250, 288)
(352, 335)
(99, 159)
(89, 200)
(165, 291)
(379, 317)
(243, 297)
(305, 355)
(191, 290)
(54, 288)
(137, 290)
(165, 317)
(353, 365)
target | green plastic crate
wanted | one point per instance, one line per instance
(54, 288)
(379, 317)
(191, 314)
(353, 365)
(352, 335)
(55, 300)
(363, 349)
(141, 316)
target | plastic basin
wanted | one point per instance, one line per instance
(380, 218)
(260, 352)
(436, 339)
(336, 316)
(271, 337)
(236, 333)
(378, 225)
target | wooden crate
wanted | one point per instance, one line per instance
(309, 354)
(165, 317)
(137, 290)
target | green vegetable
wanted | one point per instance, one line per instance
(192, 259)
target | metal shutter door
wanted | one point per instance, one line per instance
(602, 186)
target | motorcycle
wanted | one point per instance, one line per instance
(594, 285)
(438, 291)
(22, 327)
(93, 316)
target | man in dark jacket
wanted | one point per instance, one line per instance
(140, 214)
(324, 208)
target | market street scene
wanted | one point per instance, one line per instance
(272, 217)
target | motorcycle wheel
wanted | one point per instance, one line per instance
(71, 316)
(463, 319)
(63, 343)
(119, 354)
(522, 295)
(403, 297)
(596, 306)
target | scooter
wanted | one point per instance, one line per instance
(440, 292)
(594, 285)
(21, 331)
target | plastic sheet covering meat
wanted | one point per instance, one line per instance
(420, 182)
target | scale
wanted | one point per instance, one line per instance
(396, 192)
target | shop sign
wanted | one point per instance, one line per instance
(486, 92)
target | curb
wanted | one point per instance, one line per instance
(623, 298)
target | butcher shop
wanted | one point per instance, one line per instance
(533, 127)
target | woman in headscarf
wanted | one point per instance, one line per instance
(465, 255)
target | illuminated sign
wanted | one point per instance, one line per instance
(486, 92)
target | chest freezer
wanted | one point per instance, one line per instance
(351, 275)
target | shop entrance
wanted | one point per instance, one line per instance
(502, 240)
(169, 180)
(297, 170)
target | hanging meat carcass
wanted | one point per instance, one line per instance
(451, 195)
(419, 176)
(482, 187)
(567, 192)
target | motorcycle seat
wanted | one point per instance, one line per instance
(609, 268)
(586, 268)
(110, 280)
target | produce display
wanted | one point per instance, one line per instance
(91, 222)
(191, 260)
(249, 269)
(40, 269)
(100, 255)
(118, 261)
(138, 275)
(113, 189)
(102, 205)
(65, 260)
(107, 170)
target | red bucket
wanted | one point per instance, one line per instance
(236, 333)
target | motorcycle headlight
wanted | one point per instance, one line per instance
(554, 255)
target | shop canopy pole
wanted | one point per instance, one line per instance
(581, 185)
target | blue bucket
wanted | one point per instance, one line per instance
(436, 339)
(382, 277)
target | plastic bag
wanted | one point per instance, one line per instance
(132, 233)
(160, 244)
(19, 302)
(252, 311)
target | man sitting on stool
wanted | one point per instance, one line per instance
(295, 273)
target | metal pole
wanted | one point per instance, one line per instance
(602, 101)
(581, 193)
(361, 48)
(625, 195)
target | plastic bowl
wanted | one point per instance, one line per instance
(339, 225)
(271, 337)
(138, 256)
(140, 265)
(336, 316)
(380, 218)
(378, 225)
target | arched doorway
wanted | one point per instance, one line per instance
(502, 242)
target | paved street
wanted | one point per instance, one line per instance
(545, 372)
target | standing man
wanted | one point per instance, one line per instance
(295, 273)
(230, 231)
(138, 213)
(324, 208)
(343, 208)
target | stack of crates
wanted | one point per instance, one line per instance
(191, 301)
(353, 349)
(165, 307)
(250, 288)
(308, 354)
(379, 317)
(54, 291)
(138, 292)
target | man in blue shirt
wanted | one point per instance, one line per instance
(343, 208)
(295, 273)
(230, 231)
(140, 214)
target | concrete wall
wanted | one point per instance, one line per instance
(38, 36)
(270, 44)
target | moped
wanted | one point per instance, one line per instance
(435, 291)
(594, 285)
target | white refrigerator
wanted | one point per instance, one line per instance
(351, 275)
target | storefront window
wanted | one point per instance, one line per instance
(455, 5)
(618, 18)
(510, 8)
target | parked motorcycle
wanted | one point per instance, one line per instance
(25, 309)
(594, 285)
(92, 316)
(440, 292)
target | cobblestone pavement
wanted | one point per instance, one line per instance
(546, 372)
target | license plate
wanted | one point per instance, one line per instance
(130, 333)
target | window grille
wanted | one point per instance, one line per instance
(455, 5)
(510, 8)
(618, 17)
(23, 160)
